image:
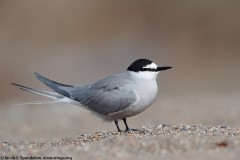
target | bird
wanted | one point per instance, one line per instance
(116, 97)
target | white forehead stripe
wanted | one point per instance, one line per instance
(151, 66)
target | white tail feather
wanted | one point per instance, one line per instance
(60, 100)
(36, 102)
(57, 97)
(48, 94)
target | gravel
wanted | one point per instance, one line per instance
(152, 142)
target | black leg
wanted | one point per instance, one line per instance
(125, 122)
(116, 122)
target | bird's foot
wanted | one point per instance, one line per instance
(129, 130)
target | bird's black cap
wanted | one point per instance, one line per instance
(138, 65)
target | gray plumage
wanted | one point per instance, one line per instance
(62, 89)
(101, 95)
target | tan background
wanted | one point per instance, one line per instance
(78, 42)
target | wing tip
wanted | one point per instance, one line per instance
(41, 78)
(37, 75)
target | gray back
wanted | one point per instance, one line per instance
(105, 96)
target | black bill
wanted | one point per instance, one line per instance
(163, 68)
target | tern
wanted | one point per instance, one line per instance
(113, 98)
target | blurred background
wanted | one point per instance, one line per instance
(78, 42)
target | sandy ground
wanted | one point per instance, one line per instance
(68, 131)
(150, 142)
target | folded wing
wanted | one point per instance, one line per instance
(108, 95)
